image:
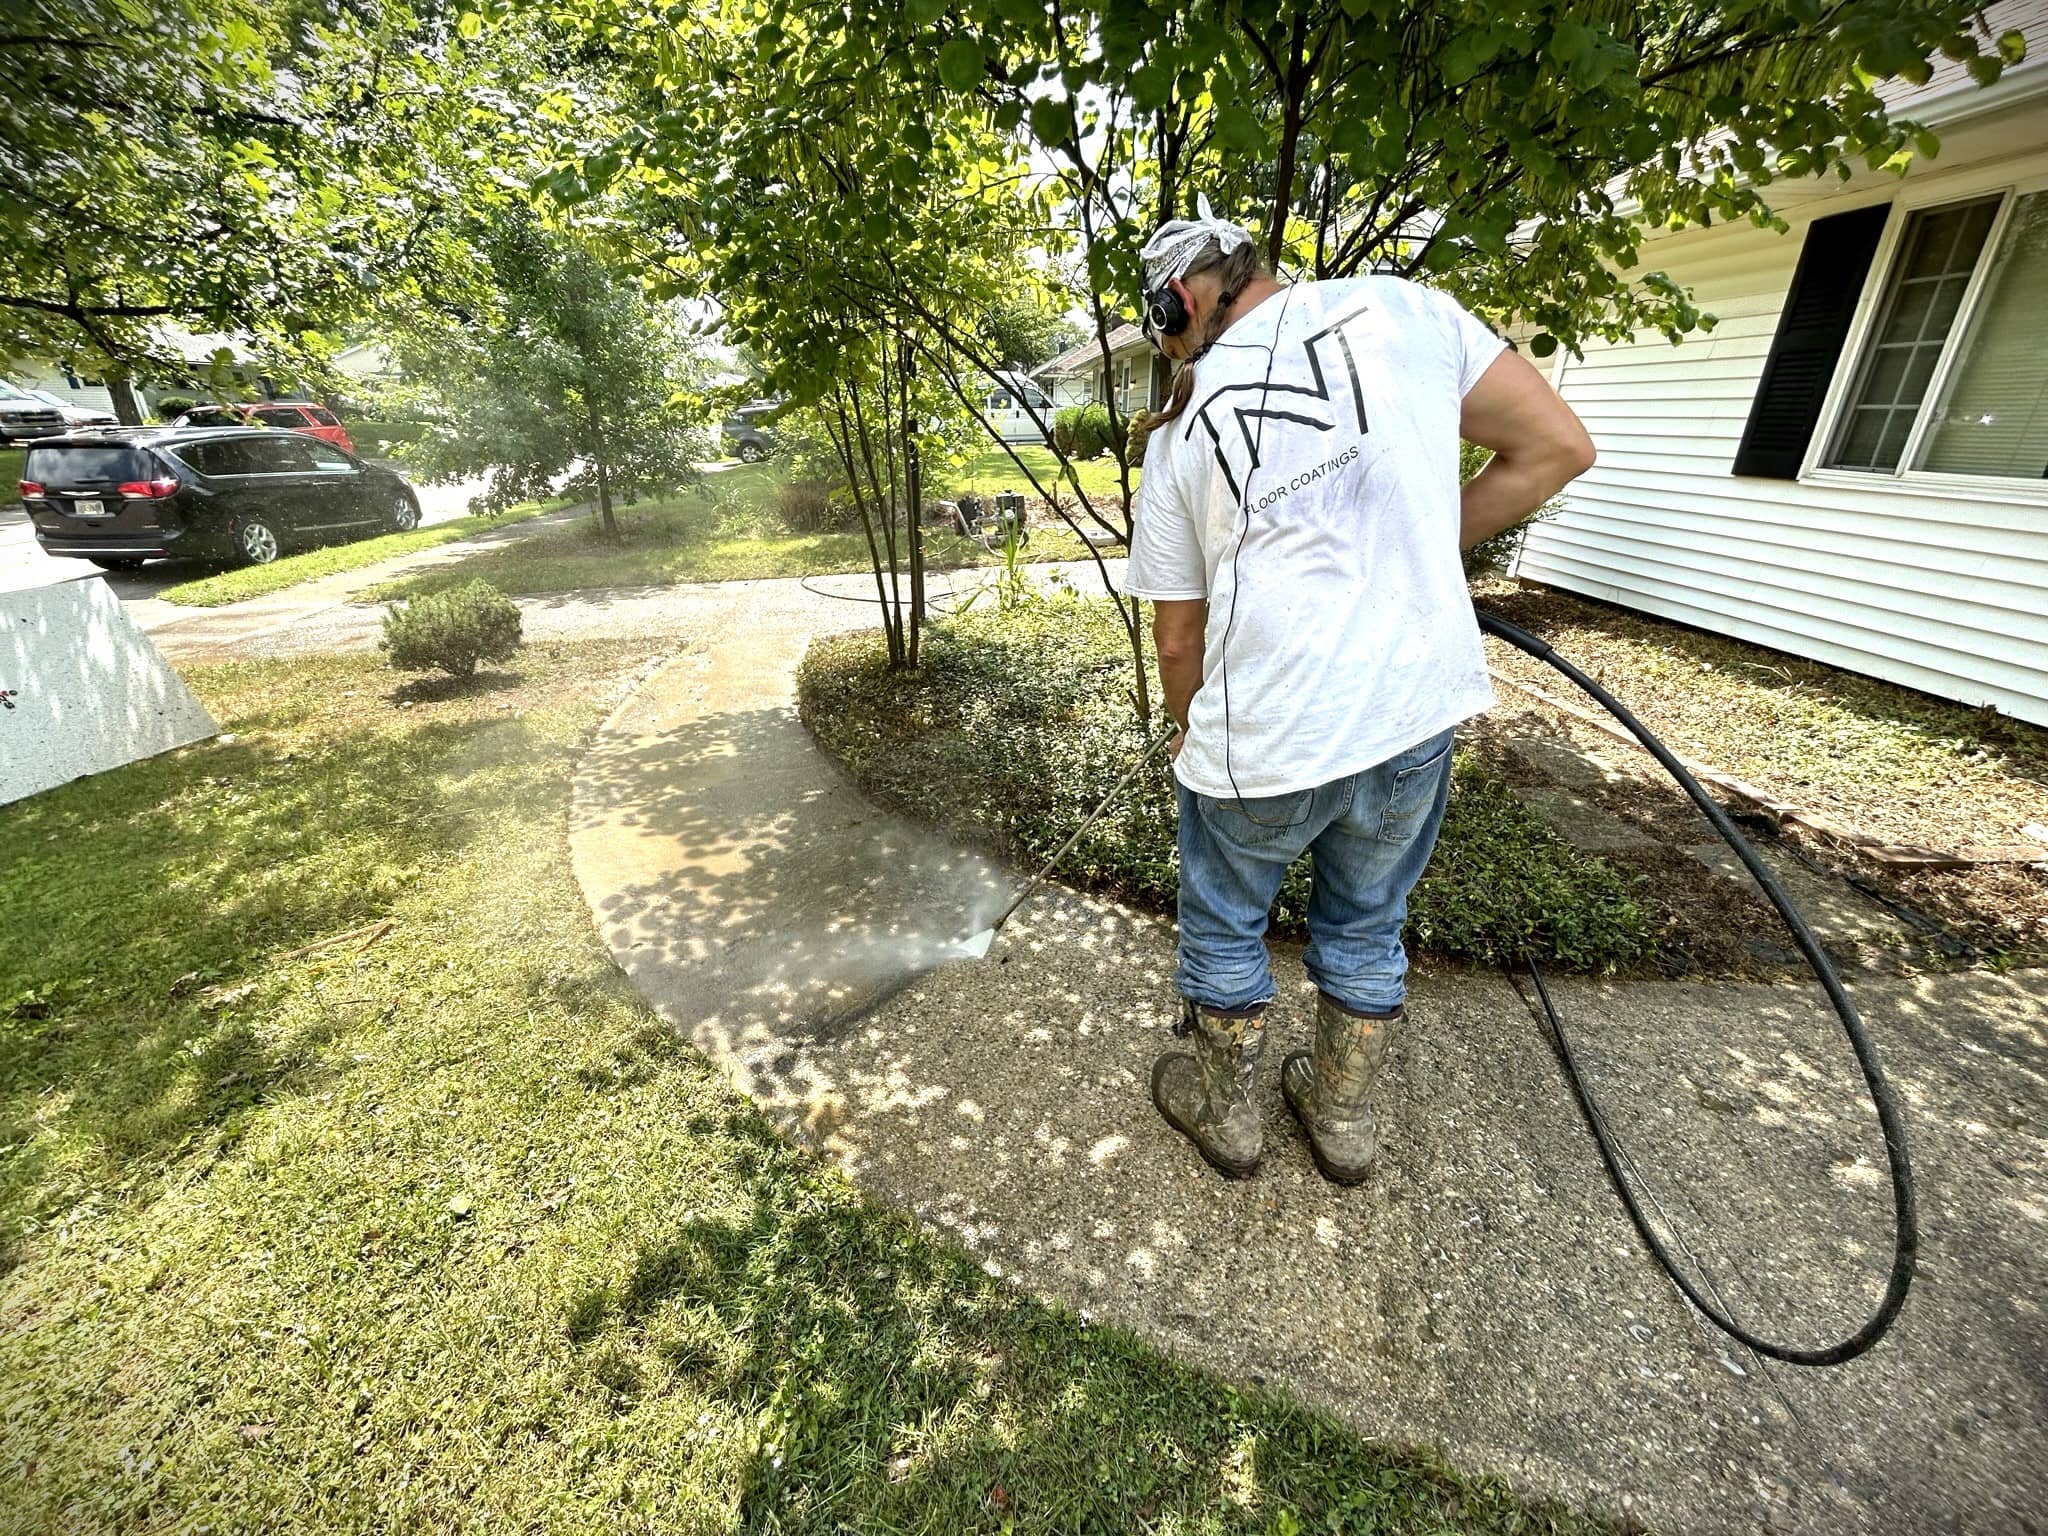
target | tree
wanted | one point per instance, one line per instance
(572, 384)
(1511, 153)
(1514, 153)
(829, 209)
(1024, 331)
(276, 170)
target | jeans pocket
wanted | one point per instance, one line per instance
(1414, 795)
(1259, 820)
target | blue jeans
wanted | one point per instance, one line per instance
(1369, 836)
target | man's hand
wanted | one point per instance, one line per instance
(1539, 447)
(1180, 739)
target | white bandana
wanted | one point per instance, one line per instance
(1176, 244)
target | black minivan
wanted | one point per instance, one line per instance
(118, 497)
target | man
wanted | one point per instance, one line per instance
(1298, 527)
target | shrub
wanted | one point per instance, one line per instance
(1017, 724)
(1094, 438)
(452, 630)
(171, 407)
(1081, 431)
(806, 506)
(1064, 421)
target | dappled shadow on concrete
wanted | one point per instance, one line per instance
(1484, 1292)
(777, 906)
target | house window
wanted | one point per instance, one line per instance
(1954, 377)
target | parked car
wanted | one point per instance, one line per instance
(1005, 409)
(744, 431)
(24, 418)
(75, 415)
(293, 415)
(241, 494)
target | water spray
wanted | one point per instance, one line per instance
(976, 945)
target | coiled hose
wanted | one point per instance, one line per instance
(1906, 1232)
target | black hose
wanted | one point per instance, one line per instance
(931, 598)
(1906, 1234)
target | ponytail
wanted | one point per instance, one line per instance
(1236, 273)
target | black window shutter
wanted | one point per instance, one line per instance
(1832, 266)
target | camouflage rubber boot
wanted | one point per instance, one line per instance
(1327, 1091)
(1207, 1096)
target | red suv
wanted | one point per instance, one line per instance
(293, 415)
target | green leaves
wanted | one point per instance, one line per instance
(1466, 54)
(1151, 86)
(1237, 129)
(962, 65)
(1052, 120)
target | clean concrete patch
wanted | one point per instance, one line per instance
(82, 689)
(1833, 908)
(1484, 1293)
(1582, 823)
(1560, 762)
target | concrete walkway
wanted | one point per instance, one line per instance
(1485, 1293)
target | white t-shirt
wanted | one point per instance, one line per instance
(1310, 493)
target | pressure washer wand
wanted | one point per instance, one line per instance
(978, 944)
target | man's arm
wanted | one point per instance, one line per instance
(1539, 447)
(1178, 628)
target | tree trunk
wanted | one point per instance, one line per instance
(1141, 694)
(914, 477)
(913, 492)
(844, 443)
(126, 406)
(1293, 83)
(609, 523)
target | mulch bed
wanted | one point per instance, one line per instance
(1889, 761)
(1706, 925)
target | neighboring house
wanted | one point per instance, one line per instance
(59, 379)
(1853, 464)
(366, 362)
(1139, 378)
(199, 351)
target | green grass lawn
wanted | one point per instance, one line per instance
(232, 586)
(1017, 724)
(992, 470)
(437, 1228)
(724, 530)
(11, 460)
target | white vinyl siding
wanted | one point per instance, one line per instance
(1937, 583)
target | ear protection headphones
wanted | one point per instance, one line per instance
(1165, 314)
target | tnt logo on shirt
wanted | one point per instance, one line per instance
(1236, 416)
